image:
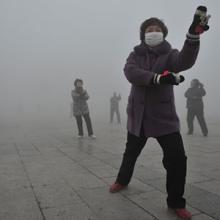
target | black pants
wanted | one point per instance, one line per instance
(80, 124)
(199, 113)
(174, 161)
(115, 110)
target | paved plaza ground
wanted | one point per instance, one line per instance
(46, 173)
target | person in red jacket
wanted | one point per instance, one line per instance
(152, 69)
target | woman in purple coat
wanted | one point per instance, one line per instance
(152, 69)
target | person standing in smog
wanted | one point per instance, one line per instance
(152, 69)
(195, 106)
(81, 109)
(114, 107)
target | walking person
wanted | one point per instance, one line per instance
(152, 69)
(114, 107)
(195, 106)
(81, 109)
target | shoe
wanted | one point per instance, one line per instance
(92, 136)
(205, 134)
(116, 187)
(189, 133)
(80, 136)
(183, 213)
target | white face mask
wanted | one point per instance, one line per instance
(153, 38)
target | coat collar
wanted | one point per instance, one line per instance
(143, 48)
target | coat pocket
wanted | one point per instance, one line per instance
(164, 109)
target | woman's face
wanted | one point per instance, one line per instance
(153, 28)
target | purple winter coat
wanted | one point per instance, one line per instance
(153, 106)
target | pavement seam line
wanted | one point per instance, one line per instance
(29, 181)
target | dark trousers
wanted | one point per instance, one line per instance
(199, 113)
(174, 161)
(115, 110)
(80, 124)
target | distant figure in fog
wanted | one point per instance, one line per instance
(114, 107)
(195, 106)
(81, 109)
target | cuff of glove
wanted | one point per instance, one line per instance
(193, 37)
(156, 79)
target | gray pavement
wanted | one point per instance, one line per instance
(46, 173)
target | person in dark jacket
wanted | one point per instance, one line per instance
(195, 106)
(80, 108)
(114, 107)
(152, 69)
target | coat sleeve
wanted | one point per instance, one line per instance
(85, 95)
(135, 74)
(184, 59)
(201, 92)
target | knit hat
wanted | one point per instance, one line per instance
(152, 21)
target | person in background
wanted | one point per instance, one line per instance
(152, 69)
(81, 109)
(71, 109)
(195, 106)
(114, 107)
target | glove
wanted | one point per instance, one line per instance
(199, 24)
(168, 78)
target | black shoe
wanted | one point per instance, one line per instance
(189, 133)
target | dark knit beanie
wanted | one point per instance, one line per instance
(152, 21)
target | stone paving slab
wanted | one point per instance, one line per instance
(78, 211)
(207, 202)
(210, 186)
(202, 217)
(154, 202)
(56, 195)
(113, 206)
(48, 174)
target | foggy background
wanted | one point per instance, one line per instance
(46, 44)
